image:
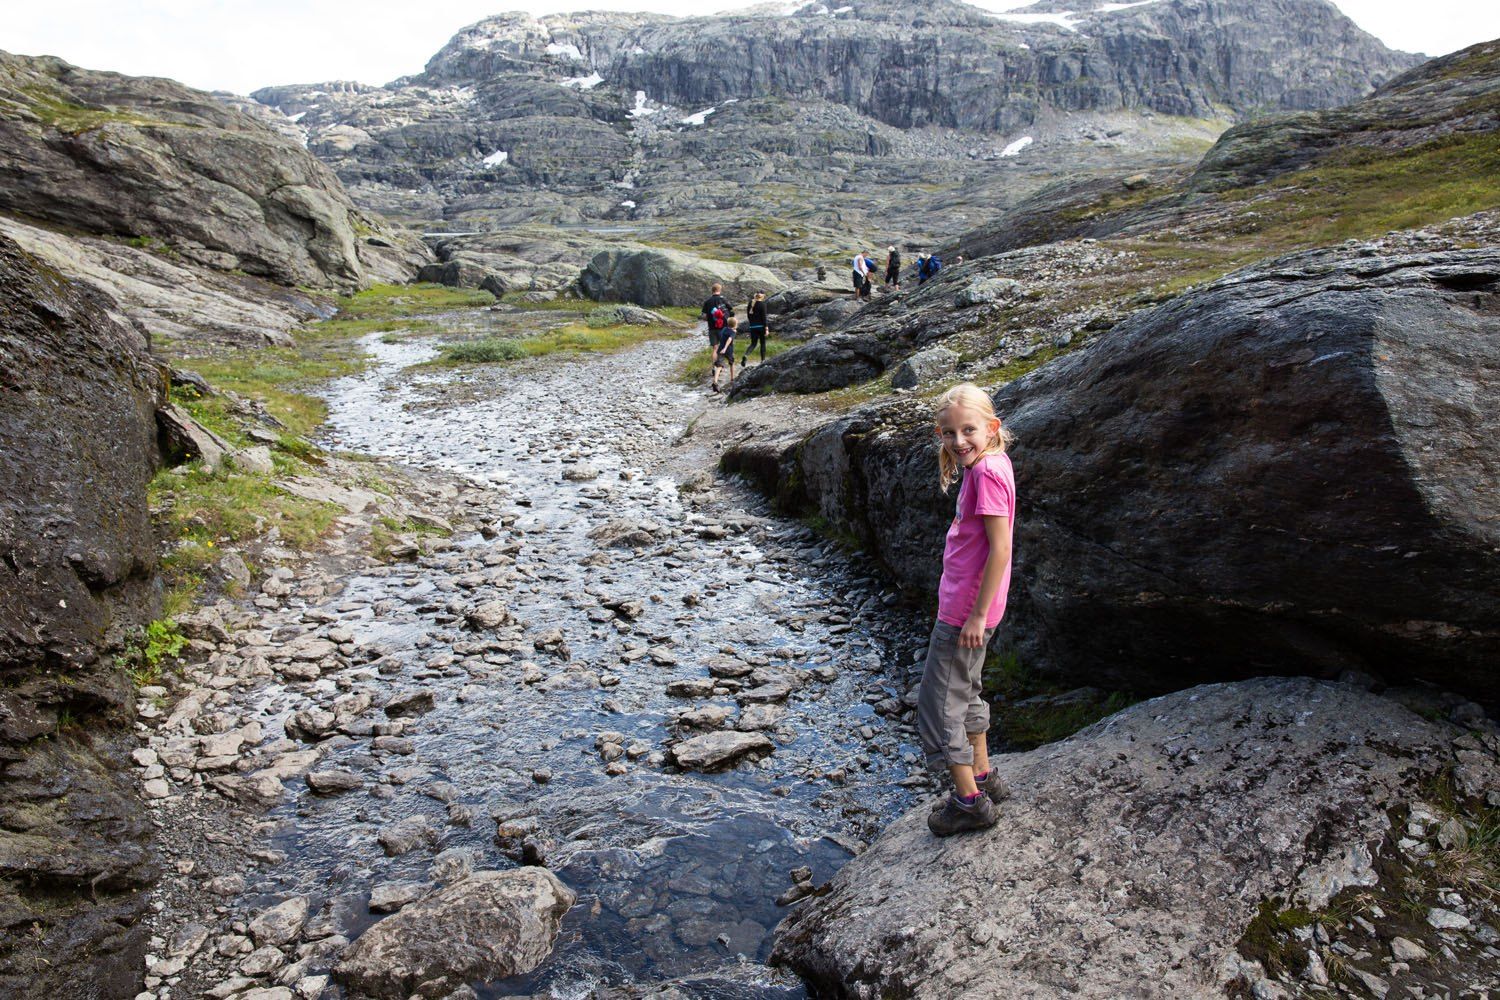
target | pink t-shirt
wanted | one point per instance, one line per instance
(989, 487)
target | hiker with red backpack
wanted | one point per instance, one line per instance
(718, 316)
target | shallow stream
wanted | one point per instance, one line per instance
(676, 872)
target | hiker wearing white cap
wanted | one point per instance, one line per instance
(892, 267)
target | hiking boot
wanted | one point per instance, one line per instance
(994, 788)
(955, 816)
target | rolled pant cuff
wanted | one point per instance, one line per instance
(943, 761)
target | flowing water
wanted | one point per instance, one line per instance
(676, 872)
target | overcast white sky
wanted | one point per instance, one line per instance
(242, 45)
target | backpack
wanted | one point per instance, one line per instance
(934, 265)
(718, 318)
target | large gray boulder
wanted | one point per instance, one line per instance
(153, 160)
(1289, 471)
(821, 364)
(1301, 465)
(1134, 856)
(78, 394)
(655, 277)
(488, 926)
(925, 366)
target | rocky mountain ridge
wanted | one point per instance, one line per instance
(871, 115)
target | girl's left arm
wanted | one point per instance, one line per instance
(997, 531)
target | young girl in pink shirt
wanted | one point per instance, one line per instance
(952, 718)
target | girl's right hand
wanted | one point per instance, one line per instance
(971, 636)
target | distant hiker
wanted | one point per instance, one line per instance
(717, 312)
(724, 353)
(958, 260)
(892, 267)
(755, 327)
(922, 274)
(861, 273)
(952, 717)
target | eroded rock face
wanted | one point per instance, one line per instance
(78, 435)
(153, 160)
(655, 277)
(485, 927)
(1290, 470)
(1136, 852)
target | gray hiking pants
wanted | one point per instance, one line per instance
(949, 707)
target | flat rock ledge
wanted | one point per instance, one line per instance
(489, 926)
(1134, 856)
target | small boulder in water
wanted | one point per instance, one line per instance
(489, 926)
(719, 751)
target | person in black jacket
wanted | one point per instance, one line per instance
(716, 314)
(756, 327)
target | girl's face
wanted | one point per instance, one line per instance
(966, 433)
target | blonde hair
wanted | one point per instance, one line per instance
(970, 397)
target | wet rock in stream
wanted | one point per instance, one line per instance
(488, 926)
(717, 751)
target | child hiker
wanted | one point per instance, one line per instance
(952, 719)
(724, 352)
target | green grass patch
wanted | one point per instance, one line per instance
(280, 376)
(387, 531)
(698, 368)
(1029, 711)
(1013, 370)
(396, 303)
(203, 511)
(1269, 939)
(1474, 864)
(558, 304)
(180, 598)
(1362, 193)
(490, 350)
(573, 338)
(272, 375)
(682, 314)
(148, 648)
(65, 116)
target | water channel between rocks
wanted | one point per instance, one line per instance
(676, 873)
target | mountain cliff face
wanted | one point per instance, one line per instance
(951, 64)
(871, 114)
